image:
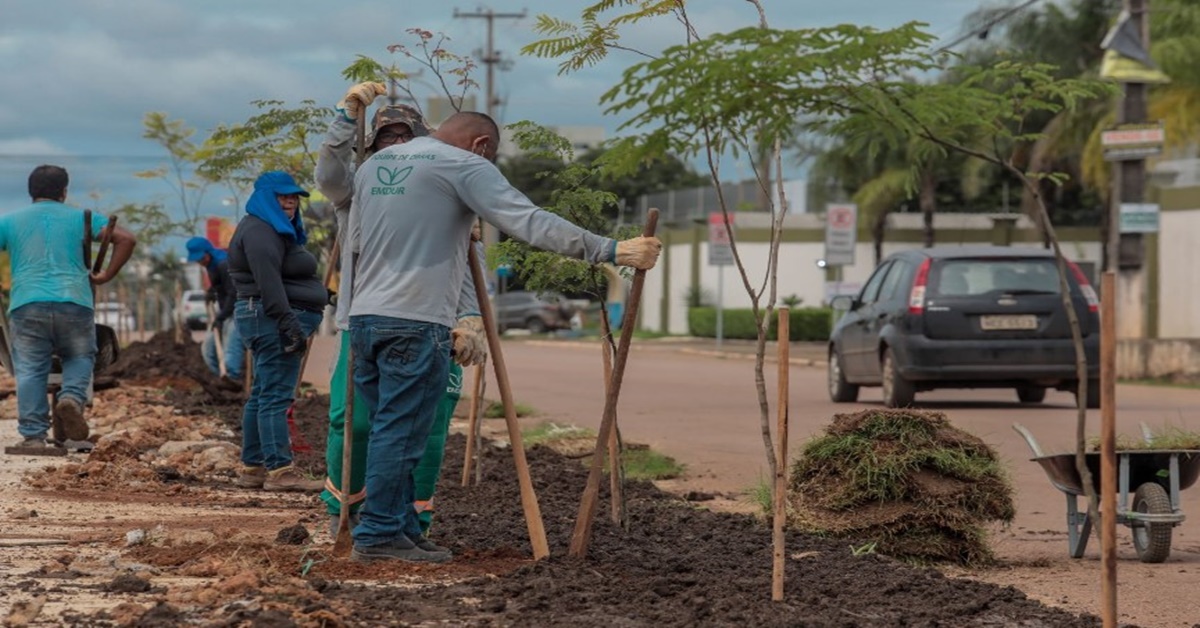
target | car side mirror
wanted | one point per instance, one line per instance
(842, 303)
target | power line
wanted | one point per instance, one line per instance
(982, 30)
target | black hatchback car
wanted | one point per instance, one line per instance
(964, 317)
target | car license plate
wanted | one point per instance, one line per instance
(1008, 322)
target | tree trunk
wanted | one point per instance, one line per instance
(878, 229)
(928, 202)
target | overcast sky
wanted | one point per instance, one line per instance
(77, 76)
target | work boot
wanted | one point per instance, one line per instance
(251, 477)
(70, 412)
(289, 479)
(230, 384)
(404, 550)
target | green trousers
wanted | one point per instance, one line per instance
(427, 472)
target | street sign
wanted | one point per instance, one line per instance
(720, 252)
(841, 234)
(1133, 141)
(1139, 218)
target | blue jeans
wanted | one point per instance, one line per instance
(400, 371)
(265, 440)
(235, 350)
(40, 330)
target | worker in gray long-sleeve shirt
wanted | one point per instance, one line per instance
(414, 205)
(392, 124)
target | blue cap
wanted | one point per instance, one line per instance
(278, 182)
(197, 248)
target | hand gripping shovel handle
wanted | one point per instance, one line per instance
(105, 240)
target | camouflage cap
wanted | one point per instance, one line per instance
(396, 114)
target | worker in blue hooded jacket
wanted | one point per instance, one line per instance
(216, 263)
(280, 300)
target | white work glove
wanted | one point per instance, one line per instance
(470, 341)
(640, 252)
(359, 97)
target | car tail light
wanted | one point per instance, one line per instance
(916, 297)
(1086, 288)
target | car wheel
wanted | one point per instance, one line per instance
(536, 325)
(1031, 394)
(897, 391)
(1093, 394)
(840, 391)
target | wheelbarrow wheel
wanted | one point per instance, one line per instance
(1152, 540)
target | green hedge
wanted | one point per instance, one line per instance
(806, 324)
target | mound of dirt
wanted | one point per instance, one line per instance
(159, 358)
(907, 481)
(676, 565)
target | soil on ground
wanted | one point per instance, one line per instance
(233, 562)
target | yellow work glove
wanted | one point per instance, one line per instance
(640, 252)
(470, 341)
(359, 97)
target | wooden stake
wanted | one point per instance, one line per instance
(141, 312)
(249, 383)
(178, 312)
(615, 473)
(529, 501)
(472, 424)
(587, 504)
(344, 541)
(1108, 455)
(779, 507)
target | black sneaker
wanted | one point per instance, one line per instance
(404, 550)
(334, 520)
(424, 543)
(230, 384)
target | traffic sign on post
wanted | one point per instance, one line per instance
(841, 234)
(720, 252)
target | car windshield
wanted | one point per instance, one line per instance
(196, 296)
(972, 277)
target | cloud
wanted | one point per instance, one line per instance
(30, 146)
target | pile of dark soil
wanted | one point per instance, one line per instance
(906, 481)
(160, 358)
(676, 566)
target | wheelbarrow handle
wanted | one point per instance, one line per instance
(1029, 439)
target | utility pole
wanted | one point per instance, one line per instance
(491, 59)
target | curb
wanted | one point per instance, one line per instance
(747, 356)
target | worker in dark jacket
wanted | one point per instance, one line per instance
(280, 299)
(221, 291)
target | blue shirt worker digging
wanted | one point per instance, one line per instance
(224, 329)
(414, 206)
(51, 309)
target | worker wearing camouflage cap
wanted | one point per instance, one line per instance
(392, 124)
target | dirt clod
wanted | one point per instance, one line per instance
(292, 535)
(127, 583)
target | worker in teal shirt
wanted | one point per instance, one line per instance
(51, 304)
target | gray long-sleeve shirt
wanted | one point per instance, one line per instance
(413, 208)
(335, 179)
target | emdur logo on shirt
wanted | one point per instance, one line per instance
(390, 180)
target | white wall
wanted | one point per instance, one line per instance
(1178, 281)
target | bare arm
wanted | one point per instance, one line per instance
(123, 243)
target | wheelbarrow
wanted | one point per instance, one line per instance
(1156, 476)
